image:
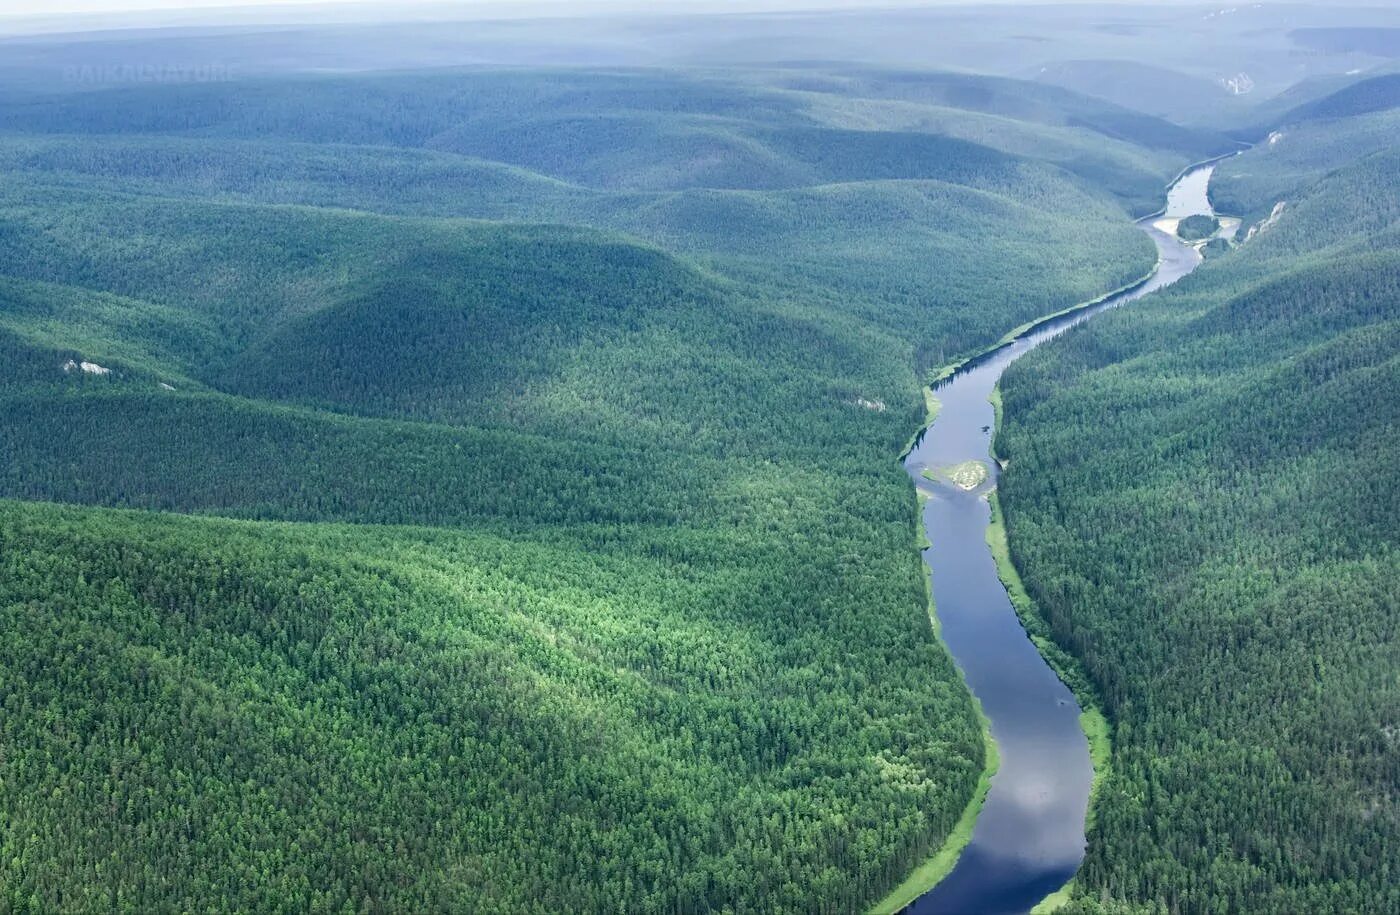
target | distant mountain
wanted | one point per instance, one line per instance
(1378, 41)
(1159, 91)
(1379, 93)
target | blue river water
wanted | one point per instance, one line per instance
(1029, 837)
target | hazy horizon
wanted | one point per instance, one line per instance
(79, 7)
(48, 9)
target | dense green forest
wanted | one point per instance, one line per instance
(645, 130)
(1195, 228)
(1201, 499)
(452, 466)
(1307, 143)
(571, 568)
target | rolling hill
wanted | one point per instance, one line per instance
(341, 455)
(452, 465)
(1219, 554)
(1306, 143)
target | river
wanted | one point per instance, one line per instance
(1029, 837)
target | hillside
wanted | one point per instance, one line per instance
(647, 130)
(465, 510)
(497, 460)
(1379, 93)
(1220, 556)
(1179, 97)
(1306, 143)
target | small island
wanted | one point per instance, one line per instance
(967, 476)
(1198, 227)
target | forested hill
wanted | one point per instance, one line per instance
(1307, 142)
(1368, 96)
(451, 466)
(653, 130)
(564, 561)
(1201, 496)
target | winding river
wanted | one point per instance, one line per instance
(1029, 837)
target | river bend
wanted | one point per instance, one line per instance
(1029, 837)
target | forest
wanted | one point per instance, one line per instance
(543, 545)
(454, 467)
(1220, 554)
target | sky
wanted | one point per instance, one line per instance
(18, 16)
(34, 17)
(53, 7)
(50, 7)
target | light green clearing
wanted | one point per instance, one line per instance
(968, 475)
(996, 420)
(1055, 900)
(927, 875)
(1092, 720)
(931, 407)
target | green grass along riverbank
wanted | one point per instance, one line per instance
(1097, 728)
(1010, 336)
(929, 874)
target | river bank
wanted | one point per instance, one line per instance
(1027, 838)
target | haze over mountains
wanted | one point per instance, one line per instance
(453, 465)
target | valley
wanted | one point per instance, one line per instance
(447, 460)
(1029, 836)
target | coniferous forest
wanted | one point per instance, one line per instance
(1223, 559)
(453, 466)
